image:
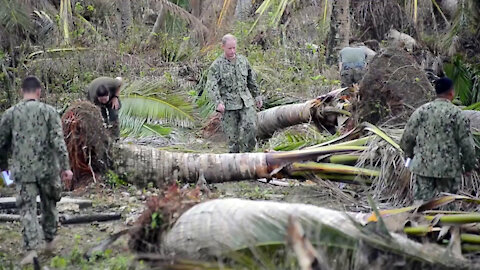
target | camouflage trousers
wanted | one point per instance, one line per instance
(240, 127)
(426, 188)
(351, 75)
(33, 235)
(110, 118)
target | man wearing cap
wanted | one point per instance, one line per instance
(438, 139)
(104, 92)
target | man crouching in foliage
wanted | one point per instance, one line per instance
(104, 92)
(438, 139)
(32, 132)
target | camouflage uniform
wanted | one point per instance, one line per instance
(32, 131)
(439, 139)
(110, 116)
(233, 84)
(353, 65)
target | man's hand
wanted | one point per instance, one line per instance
(221, 108)
(259, 102)
(66, 175)
(115, 103)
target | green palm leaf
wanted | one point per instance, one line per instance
(155, 111)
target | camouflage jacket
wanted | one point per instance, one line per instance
(232, 83)
(32, 131)
(439, 139)
(110, 83)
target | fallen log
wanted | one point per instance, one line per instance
(70, 219)
(218, 227)
(11, 202)
(141, 165)
(75, 219)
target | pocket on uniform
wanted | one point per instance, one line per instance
(53, 188)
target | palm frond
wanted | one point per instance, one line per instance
(268, 4)
(466, 78)
(43, 20)
(185, 15)
(13, 17)
(155, 111)
(137, 127)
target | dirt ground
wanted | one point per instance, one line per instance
(75, 240)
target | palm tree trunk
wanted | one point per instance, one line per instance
(242, 10)
(125, 8)
(141, 164)
(158, 24)
(241, 224)
(284, 116)
(339, 34)
(196, 7)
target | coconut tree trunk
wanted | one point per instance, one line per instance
(242, 10)
(280, 117)
(141, 164)
(158, 24)
(196, 7)
(221, 226)
(126, 16)
(339, 34)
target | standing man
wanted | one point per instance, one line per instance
(32, 132)
(353, 62)
(231, 85)
(438, 139)
(104, 92)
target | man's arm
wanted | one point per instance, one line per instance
(252, 81)
(5, 138)
(408, 141)
(213, 80)
(58, 142)
(466, 144)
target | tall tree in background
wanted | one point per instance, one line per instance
(339, 34)
(126, 16)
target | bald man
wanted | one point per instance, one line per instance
(231, 85)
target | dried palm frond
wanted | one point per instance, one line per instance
(193, 21)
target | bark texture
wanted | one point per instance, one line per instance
(339, 34)
(140, 165)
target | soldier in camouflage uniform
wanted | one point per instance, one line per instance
(438, 139)
(353, 61)
(104, 92)
(31, 131)
(231, 85)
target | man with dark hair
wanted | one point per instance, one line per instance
(104, 92)
(32, 132)
(438, 139)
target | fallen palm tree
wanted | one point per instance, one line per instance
(321, 112)
(227, 228)
(86, 141)
(140, 164)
